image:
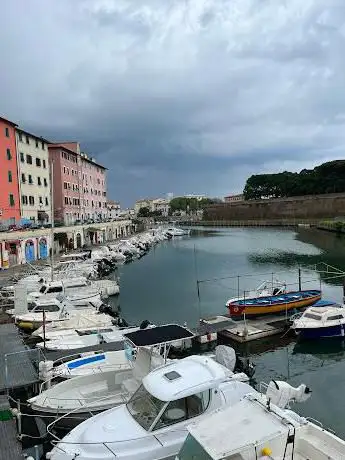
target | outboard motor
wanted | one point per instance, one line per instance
(282, 394)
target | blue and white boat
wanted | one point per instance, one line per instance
(321, 322)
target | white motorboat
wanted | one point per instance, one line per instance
(87, 363)
(153, 424)
(75, 289)
(320, 322)
(85, 337)
(266, 288)
(80, 321)
(260, 427)
(48, 310)
(99, 387)
(175, 231)
(160, 337)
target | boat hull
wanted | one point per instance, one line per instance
(321, 332)
(252, 308)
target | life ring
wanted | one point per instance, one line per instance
(236, 309)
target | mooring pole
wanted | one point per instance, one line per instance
(344, 290)
(299, 279)
(44, 328)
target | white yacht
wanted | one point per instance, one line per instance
(153, 424)
(259, 427)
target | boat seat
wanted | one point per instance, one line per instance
(313, 448)
(130, 385)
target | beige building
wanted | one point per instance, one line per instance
(234, 198)
(33, 177)
(160, 205)
(145, 203)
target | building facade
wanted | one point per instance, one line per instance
(114, 209)
(234, 198)
(34, 177)
(139, 204)
(79, 184)
(9, 187)
(160, 205)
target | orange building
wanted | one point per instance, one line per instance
(9, 187)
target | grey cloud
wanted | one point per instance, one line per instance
(178, 95)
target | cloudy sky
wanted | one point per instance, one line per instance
(182, 96)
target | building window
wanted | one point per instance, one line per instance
(11, 199)
(36, 142)
(27, 139)
(7, 132)
(24, 199)
(30, 179)
(66, 199)
(20, 137)
(47, 201)
(65, 185)
(39, 182)
(44, 163)
(22, 158)
(29, 159)
(8, 153)
(43, 148)
(23, 178)
(45, 182)
(41, 200)
(9, 176)
(99, 204)
(38, 162)
(32, 200)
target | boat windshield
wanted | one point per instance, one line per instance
(144, 407)
(312, 316)
(192, 450)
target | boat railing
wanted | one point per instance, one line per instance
(123, 395)
(319, 424)
(73, 414)
(108, 444)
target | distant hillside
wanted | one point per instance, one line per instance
(327, 178)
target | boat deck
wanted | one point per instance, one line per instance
(10, 446)
(16, 360)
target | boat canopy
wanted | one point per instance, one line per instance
(223, 434)
(158, 335)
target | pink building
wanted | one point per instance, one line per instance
(79, 184)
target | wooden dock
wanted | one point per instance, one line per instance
(254, 329)
(16, 360)
(11, 449)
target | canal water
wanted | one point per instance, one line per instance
(185, 279)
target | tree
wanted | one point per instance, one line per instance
(144, 212)
(327, 178)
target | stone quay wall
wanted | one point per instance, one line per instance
(312, 207)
